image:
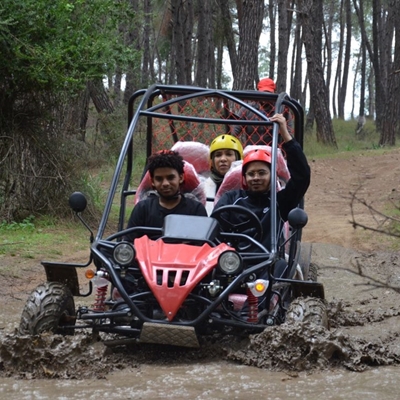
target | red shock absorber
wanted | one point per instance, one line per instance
(100, 298)
(252, 302)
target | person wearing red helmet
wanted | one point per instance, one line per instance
(256, 183)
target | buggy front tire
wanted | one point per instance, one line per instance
(49, 308)
(308, 309)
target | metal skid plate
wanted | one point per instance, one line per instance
(175, 335)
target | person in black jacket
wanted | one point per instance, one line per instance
(256, 181)
(166, 170)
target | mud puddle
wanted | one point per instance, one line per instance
(215, 380)
(289, 361)
(289, 348)
(299, 361)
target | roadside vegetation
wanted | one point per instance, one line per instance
(347, 140)
(41, 238)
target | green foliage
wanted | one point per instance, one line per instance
(109, 145)
(58, 45)
(49, 50)
(26, 224)
(41, 237)
(346, 137)
(90, 185)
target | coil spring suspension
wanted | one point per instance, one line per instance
(100, 298)
(252, 301)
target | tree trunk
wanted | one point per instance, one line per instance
(205, 48)
(382, 33)
(188, 40)
(391, 112)
(250, 26)
(310, 12)
(227, 26)
(310, 117)
(146, 45)
(297, 70)
(283, 37)
(102, 104)
(219, 66)
(100, 97)
(272, 39)
(74, 116)
(361, 114)
(211, 51)
(338, 74)
(366, 45)
(132, 40)
(346, 66)
(182, 25)
(117, 87)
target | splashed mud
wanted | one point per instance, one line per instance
(52, 356)
(305, 347)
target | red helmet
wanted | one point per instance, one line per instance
(254, 155)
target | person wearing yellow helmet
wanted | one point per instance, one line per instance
(224, 150)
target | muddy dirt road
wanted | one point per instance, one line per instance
(358, 356)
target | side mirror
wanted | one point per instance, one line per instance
(77, 201)
(297, 218)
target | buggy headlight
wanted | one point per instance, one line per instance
(124, 253)
(230, 262)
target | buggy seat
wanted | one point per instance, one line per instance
(195, 153)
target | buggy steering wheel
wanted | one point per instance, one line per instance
(249, 222)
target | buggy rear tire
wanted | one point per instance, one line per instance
(49, 307)
(308, 309)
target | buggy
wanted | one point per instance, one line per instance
(200, 276)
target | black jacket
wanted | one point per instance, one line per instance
(150, 213)
(287, 198)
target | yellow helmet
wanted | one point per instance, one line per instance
(226, 142)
